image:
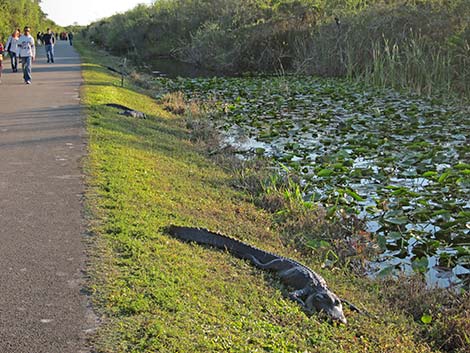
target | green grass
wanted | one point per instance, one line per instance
(156, 294)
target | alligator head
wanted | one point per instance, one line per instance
(328, 303)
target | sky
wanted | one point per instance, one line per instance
(84, 12)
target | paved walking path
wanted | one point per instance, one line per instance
(42, 143)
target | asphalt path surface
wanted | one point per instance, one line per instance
(43, 308)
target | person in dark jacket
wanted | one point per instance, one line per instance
(1, 59)
(71, 38)
(49, 42)
(39, 38)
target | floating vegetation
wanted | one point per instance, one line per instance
(402, 163)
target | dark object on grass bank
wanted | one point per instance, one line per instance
(122, 73)
(127, 111)
(116, 71)
(309, 288)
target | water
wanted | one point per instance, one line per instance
(172, 68)
(400, 163)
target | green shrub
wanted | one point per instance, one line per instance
(17, 14)
(421, 45)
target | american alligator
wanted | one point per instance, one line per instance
(309, 289)
(127, 111)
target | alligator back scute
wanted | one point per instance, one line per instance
(236, 247)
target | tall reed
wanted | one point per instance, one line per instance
(412, 64)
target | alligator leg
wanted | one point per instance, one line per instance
(297, 296)
(271, 265)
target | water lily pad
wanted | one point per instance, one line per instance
(426, 319)
(398, 160)
(420, 264)
(354, 195)
(397, 220)
(325, 173)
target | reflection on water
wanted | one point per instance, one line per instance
(436, 276)
(173, 68)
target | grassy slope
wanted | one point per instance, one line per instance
(156, 294)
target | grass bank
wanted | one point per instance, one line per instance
(156, 294)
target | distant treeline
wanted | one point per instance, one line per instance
(418, 44)
(20, 13)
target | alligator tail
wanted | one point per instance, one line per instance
(234, 246)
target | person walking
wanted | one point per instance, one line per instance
(71, 38)
(27, 53)
(12, 48)
(39, 38)
(49, 42)
(1, 59)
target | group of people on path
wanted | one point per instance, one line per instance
(41, 37)
(22, 47)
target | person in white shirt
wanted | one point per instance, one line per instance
(12, 48)
(27, 53)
